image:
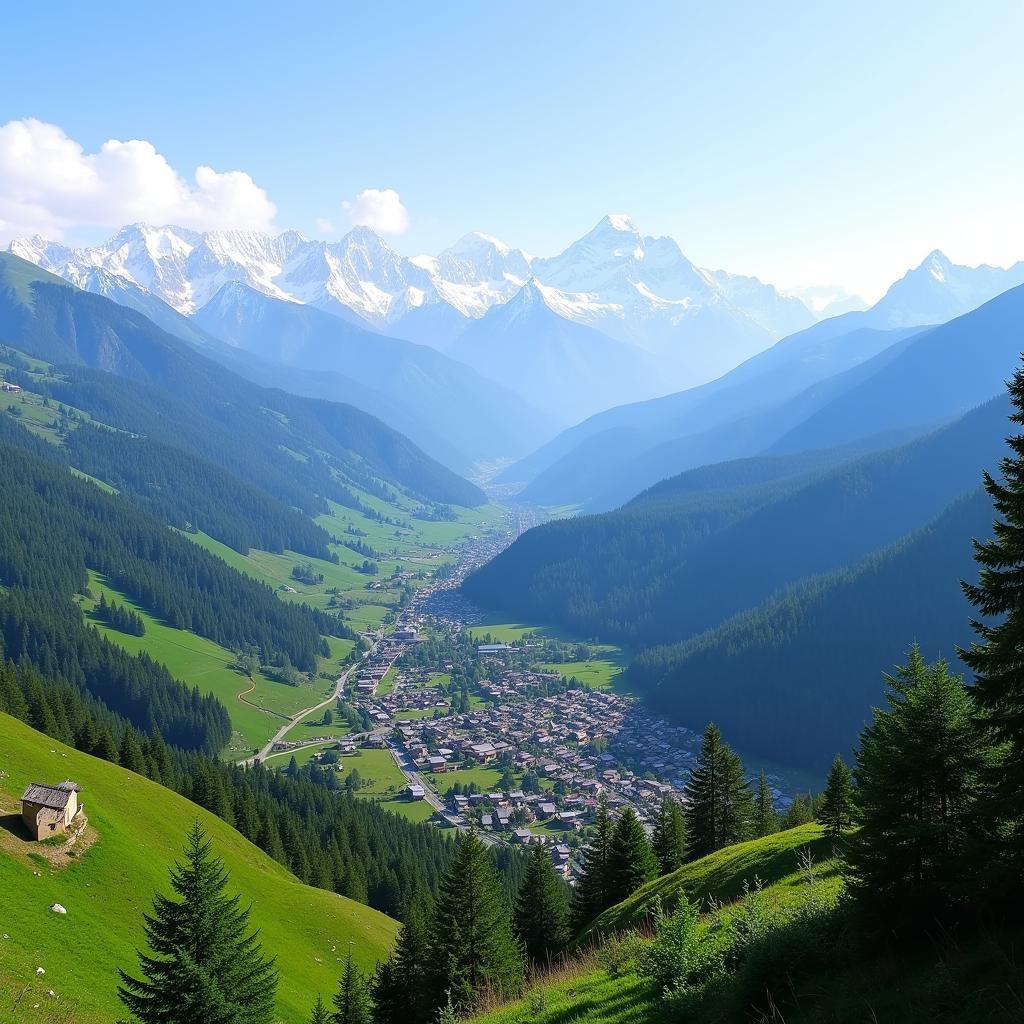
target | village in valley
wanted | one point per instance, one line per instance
(500, 734)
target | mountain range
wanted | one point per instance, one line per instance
(756, 405)
(638, 290)
(485, 352)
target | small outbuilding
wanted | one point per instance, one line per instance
(49, 810)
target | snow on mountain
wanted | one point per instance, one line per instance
(826, 301)
(939, 290)
(529, 345)
(643, 290)
(630, 287)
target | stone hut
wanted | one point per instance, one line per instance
(49, 810)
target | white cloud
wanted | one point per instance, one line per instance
(49, 185)
(380, 209)
(324, 226)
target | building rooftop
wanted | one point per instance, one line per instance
(50, 796)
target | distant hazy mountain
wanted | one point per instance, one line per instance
(605, 460)
(938, 290)
(746, 410)
(416, 388)
(827, 301)
(556, 364)
(635, 289)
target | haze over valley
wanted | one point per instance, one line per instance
(605, 617)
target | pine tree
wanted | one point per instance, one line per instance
(837, 806)
(631, 862)
(541, 911)
(352, 1000)
(202, 965)
(718, 797)
(320, 1012)
(472, 945)
(105, 747)
(917, 769)
(130, 753)
(593, 891)
(765, 821)
(399, 988)
(669, 841)
(997, 660)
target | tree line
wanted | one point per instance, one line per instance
(54, 525)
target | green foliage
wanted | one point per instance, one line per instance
(836, 812)
(917, 773)
(472, 946)
(320, 1013)
(670, 840)
(718, 797)
(680, 957)
(765, 821)
(541, 909)
(631, 862)
(202, 965)
(997, 659)
(593, 892)
(401, 987)
(352, 1003)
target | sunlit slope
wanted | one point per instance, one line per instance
(141, 828)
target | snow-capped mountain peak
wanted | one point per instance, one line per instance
(631, 287)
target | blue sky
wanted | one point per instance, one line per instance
(805, 142)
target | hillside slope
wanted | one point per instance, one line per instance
(107, 887)
(133, 375)
(661, 569)
(849, 379)
(770, 677)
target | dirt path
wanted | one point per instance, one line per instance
(291, 722)
(267, 711)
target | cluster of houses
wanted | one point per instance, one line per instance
(11, 389)
(570, 740)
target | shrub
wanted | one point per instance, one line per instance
(622, 953)
(683, 954)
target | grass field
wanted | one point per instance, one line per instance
(140, 830)
(377, 767)
(302, 756)
(200, 662)
(603, 671)
(387, 684)
(387, 784)
(485, 778)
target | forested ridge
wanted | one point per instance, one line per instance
(127, 372)
(771, 676)
(55, 526)
(728, 581)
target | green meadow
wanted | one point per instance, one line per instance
(138, 829)
(257, 707)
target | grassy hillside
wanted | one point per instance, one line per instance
(792, 953)
(722, 875)
(107, 886)
(257, 707)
